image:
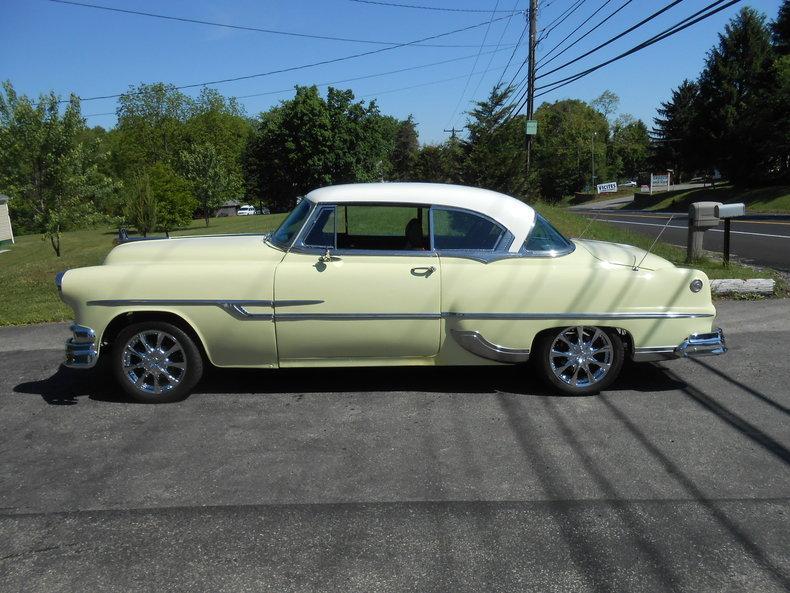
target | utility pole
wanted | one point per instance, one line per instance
(452, 131)
(533, 42)
(592, 161)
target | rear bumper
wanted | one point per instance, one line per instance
(702, 344)
(81, 350)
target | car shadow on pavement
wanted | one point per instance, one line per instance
(65, 386)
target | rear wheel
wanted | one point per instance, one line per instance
(580, 360)
(156, 362)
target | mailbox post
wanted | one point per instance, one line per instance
(728, 212)
(702, 216)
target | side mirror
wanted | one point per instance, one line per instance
(327, 257)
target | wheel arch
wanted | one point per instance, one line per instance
(625, 335)
(127, 318)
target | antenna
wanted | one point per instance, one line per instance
(589, 224)
(661, 232)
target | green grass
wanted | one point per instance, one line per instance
(774, 199)
(28, 294)
(582, 198)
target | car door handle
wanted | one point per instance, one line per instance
(423, 271)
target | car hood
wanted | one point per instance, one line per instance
(229, 248)
(623, 255)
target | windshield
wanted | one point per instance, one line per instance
(544, 239)
(285, 234)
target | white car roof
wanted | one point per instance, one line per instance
(516, 216)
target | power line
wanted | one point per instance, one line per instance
(498, 43)
(676, 28)
(466, 85)
(310, 65)
(353, 79)
(515, 48)
(569, 35)
(615, 38)
(585, 34)
(550, 28)
(240, 27)
(421, 7)
(432, 82)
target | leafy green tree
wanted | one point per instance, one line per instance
(440, 163)
(675, 134)
(140, 207)
(151, 127)
(607, 103)
(736, 100)
(781, 29)
(212, 181)
(630, 147)
(495, 151)
(308, 142)
(175, 204)
(407, 147)
(46, 167)
(571, 134)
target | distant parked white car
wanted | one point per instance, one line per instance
(246, 210)
(631, 183)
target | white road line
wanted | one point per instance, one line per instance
(684, 228)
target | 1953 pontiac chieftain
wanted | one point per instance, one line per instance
(386, 274)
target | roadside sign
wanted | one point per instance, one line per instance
(659, 182)
(532, 127)
(607, 188)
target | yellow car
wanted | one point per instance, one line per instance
(386, 274)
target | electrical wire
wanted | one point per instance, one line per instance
(469, 78)
(677, 28)
(549, 29)
(421, 7)
(515, 48)
(241, 27)
(600, 8)
(305, 66)
(584, 35)
(613, 39)
(499, 42)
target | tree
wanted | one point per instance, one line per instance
(572, 133)
(141, 208)
(495, 154)
(675, 135)
(607, 103)
(736, 92)
(630, 147)
(308, 142)
(212, 182)
(46, 167)
(781, 29)
(175, 204)
(404, 154)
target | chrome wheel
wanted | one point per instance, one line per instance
(581, 356)
(154, 362)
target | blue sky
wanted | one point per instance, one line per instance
(44, 45)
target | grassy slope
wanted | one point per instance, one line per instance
(28, 295)
(774, 199)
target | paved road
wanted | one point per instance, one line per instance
(677, 479)
(759, 241)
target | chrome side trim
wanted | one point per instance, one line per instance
(539, 316)
(353, 316)
(475, 343)
(234, 308)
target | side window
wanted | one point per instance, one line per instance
(380, 227)
(544, 239)
(322, 232)
(456, 229)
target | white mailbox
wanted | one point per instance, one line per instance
(730, 210)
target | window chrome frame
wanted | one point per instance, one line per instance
(545, 254)
(485, 256)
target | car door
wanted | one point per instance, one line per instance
(362, 283)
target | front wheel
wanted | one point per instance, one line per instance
(156, 362)
(580, 360)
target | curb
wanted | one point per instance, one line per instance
(732, 286)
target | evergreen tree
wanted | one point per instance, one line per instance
(675, 138)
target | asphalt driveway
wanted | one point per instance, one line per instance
(677, 479)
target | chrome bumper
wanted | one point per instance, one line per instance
(81, 348)
(704, 344)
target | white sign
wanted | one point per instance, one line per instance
(659, 182)
(607, 188)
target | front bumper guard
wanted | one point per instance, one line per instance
(81, 350)
(702, 344)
